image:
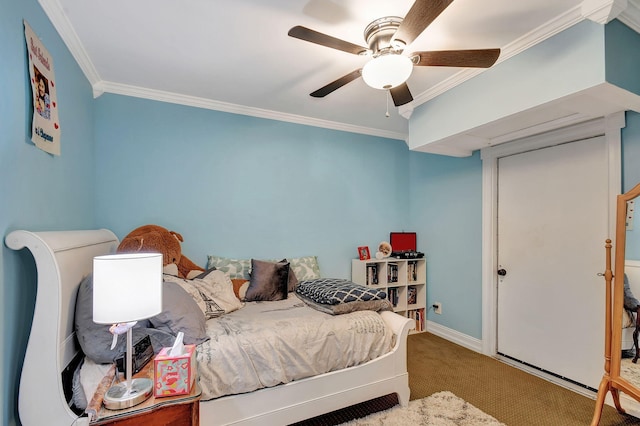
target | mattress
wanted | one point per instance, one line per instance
(265, 344)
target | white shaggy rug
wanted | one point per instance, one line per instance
(439, 409)
(630, 371)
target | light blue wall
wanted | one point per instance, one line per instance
(237, 186)
(446, 211)
(631, 177)
(38, 191)
(622, 57)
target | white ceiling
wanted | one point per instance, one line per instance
(235, 55)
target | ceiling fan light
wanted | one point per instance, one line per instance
(387, 71)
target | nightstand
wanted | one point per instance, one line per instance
(181, 410)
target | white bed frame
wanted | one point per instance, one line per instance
(64, 258)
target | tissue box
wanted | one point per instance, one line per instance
(174, 375)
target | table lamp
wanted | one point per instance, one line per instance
(126, 288)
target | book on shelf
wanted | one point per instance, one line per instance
(392, 272)
(412, 271)
(392, 296)
(412, 295)
(372, 274)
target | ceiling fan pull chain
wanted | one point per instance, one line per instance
(388, 95)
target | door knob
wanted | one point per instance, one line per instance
(502, 272)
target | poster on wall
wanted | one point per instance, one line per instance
(45, 127)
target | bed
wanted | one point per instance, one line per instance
(64, 258)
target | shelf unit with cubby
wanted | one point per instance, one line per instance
(404, 280)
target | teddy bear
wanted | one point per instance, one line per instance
(154, 238)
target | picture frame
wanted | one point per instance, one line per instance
(363, 253)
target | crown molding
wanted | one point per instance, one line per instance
(56, 15)
(197, 102)
(631, 15)
(603, 11)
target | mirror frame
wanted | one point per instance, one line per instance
(611, 380)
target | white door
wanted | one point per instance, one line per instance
(552, 224)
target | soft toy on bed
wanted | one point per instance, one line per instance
(158, 239)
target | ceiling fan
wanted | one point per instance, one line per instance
(387, 38)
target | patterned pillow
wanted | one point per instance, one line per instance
(332, 291)
(305, 268)
(235, 268)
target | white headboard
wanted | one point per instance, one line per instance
(62, 259)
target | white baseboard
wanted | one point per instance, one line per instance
(454, 336)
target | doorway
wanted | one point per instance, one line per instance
(547, 204)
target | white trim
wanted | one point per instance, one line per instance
(55, 12)
(194, 101)
(601, 11)
(631, 16)
(609, 126)
(454, 336)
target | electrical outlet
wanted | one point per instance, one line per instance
(437, 308)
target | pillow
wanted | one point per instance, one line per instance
(235, 268)
(269, 281)
(305, 268)
(180, 313)
(213, 293)
(332, 291)
(292, 282)
(95, 339)
(217, 286)
(377, 305)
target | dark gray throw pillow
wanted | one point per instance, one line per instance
(180, 313)
(95, 339)
(268, 281)
(292, 280)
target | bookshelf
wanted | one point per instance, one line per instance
(404, 280)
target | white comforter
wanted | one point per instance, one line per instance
(268, 343)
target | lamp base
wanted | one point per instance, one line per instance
(119, 396)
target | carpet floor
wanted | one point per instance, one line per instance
(508, 394)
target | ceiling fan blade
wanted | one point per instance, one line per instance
(477, 58)
(313, 36)
(334, 85)
(401, 94)
(419, 17)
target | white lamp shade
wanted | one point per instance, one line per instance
(126, 287)
(387, 71)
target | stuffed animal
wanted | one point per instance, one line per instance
(154, 238)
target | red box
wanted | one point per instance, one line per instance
(174, 375)
(403, 241)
